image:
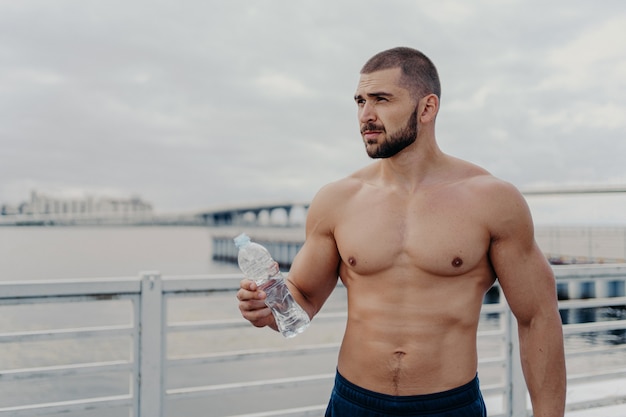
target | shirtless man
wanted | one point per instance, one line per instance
(417, 238)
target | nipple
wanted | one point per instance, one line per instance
(352, 261)
(457, 262)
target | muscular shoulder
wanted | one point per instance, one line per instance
(496, 203)
(327, 204)
(504, 208)
(338, 192)
(495, 190)
(476, 183)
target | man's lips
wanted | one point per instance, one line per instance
(370, 134)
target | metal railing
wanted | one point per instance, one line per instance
(583, 245)
(176, 362)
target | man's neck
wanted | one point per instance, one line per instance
(414, 166)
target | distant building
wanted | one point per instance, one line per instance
(43, 204)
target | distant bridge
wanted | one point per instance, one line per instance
(280, 213)
(285, 213)
(609, 189)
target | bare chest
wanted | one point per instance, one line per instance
(441, 236)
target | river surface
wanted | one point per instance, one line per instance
(35, 253)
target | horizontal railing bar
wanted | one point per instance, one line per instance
(67, 406)
(200, 325)
(175, 285)
(67, 299)
(493, 308)
(591, 279)
(491, 333)
(496, 360)
(311, 411)
(589, 272)
(69, 287)
(599, 326)
(596, 403)
(493, 389)
(55, 334)
(255, 386)
(201, 283)
(600, 350)
(598, 376)
(592, 303)
(64, 370)
(253, 354)
(207, 325)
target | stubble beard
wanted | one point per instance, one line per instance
(395, 142)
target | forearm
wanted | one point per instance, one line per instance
(543, 363)
(300, 298)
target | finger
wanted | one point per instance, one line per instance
(246, 295)
(259, 318)
(248, 284)
(252, 305)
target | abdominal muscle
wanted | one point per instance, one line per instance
(410, 339)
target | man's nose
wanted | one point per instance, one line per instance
(367, 113)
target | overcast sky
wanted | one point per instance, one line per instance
(192, 104)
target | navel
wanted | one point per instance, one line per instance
(457, 262)
(399, 354)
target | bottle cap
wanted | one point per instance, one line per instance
(242, 240)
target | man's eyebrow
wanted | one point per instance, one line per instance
(374, 94)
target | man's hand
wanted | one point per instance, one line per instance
(252, 305)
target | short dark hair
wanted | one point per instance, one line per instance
(419, 74)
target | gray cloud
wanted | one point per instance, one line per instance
(197, 103)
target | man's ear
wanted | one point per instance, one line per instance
(430, 107)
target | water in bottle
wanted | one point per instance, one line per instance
(257, 264)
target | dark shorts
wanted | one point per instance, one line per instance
(349, 400)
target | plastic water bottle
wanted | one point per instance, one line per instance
(257, 264)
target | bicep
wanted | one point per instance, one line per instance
(526, 279)
(314, 271)
(523, 272)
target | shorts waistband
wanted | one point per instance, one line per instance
(436, 402)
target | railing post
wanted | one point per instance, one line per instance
(151, 343)
(517, 390)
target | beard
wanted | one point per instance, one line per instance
(396, 141)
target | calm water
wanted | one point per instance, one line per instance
(29, 253)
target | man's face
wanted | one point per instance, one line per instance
(387, 114)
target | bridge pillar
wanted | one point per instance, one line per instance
(263, 217)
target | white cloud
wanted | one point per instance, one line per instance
(282, 86)
(582, 115)
(595, 59)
